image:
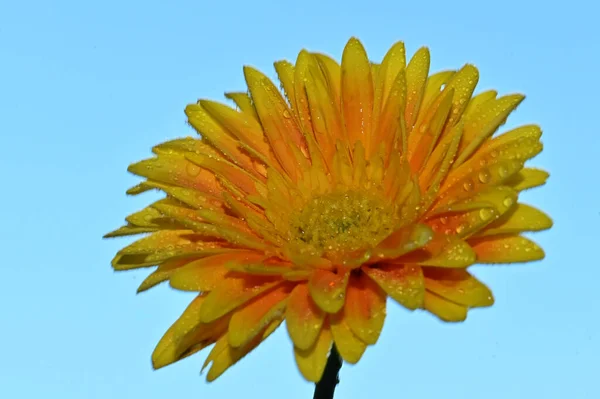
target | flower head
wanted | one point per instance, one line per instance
(365, 181)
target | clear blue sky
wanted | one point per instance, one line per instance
(86, 87)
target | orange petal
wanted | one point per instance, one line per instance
(365, 308)
(416, 77)
(403, 283)
(234, 291)
(205, 274)
(247, 322)
(357, 92)
(506, 249)
(303, 318)
(349, 346)
(458, 286)
(311, 362)
(444, 309)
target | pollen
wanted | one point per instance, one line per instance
(345, 221)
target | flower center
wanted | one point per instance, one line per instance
(342, 222)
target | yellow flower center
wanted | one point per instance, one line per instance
(342, 222)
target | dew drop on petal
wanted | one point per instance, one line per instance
(484, 176)
(468, 185)
(502, 171)
(486, 214)
(508, 201)
(192, 170)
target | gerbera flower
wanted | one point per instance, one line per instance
(366, 181)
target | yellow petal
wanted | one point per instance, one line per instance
(528, 178)
(522, 218)
(303, 318)
(232, 292)
(212, 131)
(244, 103)
(244, 126)
(311, 362)
(459, 186)
(357, 92)
(301, 75)
(175, 170)
(285, 74)
(333, 75)
(458, 286)
(444, 309)
(427, 131)
(223, 355)
(433, 86)
(349, 346)
(365, 308)
(487, 206)
(403, 283)
(391, 130)
(328, 289)
(506, 249)
(479, 100)
(403, 241)
(463, 83)
(416, 77)
(185, 333)
(446, 251)
(276, 119)
(206, 273)
(484, 122)
(163, 245)
(247, 322)
(162, 273)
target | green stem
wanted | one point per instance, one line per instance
(325, 388)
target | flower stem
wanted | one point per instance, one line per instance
(325, 388)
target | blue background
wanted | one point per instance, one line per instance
(88, 87)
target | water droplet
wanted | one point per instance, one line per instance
(484, 176)
(460, 228)
(286, 114)
(508, 201)
(486, 214)
(502, 171)
(192, 170)
(468, 185)
(494, 154)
